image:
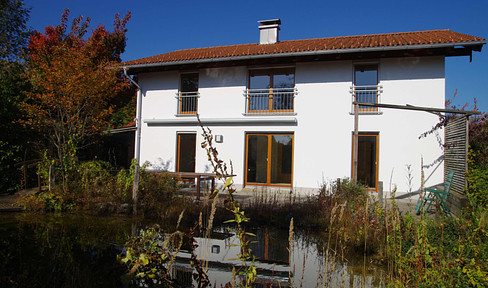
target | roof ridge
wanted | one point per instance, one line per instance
(376, 34)
(320, 38)
(293, 40)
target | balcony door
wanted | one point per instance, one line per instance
(186, 152)
(269, 159)
(271, 90)
(366, 86)
(188, 95)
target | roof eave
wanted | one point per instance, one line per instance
(472, 45)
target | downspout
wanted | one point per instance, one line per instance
(137, 153)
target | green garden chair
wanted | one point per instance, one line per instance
(433, 195)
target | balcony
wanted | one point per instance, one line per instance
(270, 101)
(366, 94)
(187, 103)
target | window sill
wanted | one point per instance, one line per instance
(270, 114)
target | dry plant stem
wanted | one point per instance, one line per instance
(208, 230)
(176, 251)
(211, 218)
(179, 219)
(332, 217)
(365, 237)
(200, 222)
(290, 246)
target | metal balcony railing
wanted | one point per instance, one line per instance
(272, 100)
(187, 103)
(366, 94)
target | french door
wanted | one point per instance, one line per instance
(269, 159)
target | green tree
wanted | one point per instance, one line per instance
(13, 39)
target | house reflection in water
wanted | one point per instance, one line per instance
(220, 253)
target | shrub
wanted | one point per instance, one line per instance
(477, 178)
(156, 190)
(45, 201)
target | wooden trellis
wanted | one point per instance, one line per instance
(456, 137)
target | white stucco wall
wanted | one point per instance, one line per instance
(323, 133)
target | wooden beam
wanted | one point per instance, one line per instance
(418, 108)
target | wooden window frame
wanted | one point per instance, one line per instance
(268, 168)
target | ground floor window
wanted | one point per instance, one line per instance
(186, 152)
(269, 159)
(367, 159)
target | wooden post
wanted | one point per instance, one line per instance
(135, 188)
(466, 153)
(356, 141)
(24, 169)
(39, 177)
(86, 182)
(266, 243)
(50, 176)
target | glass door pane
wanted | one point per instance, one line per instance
(259, 96)
(283, 91)
(186, 152)
(257, 158)
(189, 93)
(365, 82)
(367, 160)
(281, 159)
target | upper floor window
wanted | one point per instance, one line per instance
(188, 95)
(366, 88)
(271, 91)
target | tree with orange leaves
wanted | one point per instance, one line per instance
(74, 79)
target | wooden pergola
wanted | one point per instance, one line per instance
(436, 111)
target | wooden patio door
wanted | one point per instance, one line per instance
(186, 152)
(269, 159)
(367, 159)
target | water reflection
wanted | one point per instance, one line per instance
(307, 264)
(80, 251)
(61, 251)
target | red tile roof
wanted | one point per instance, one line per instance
(399, 40)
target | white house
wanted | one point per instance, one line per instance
(282, 110)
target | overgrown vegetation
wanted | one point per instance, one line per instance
(98, 187)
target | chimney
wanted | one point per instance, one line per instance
(268, 31)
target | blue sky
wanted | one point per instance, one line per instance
(162, 26)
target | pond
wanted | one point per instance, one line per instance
(67, 250)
